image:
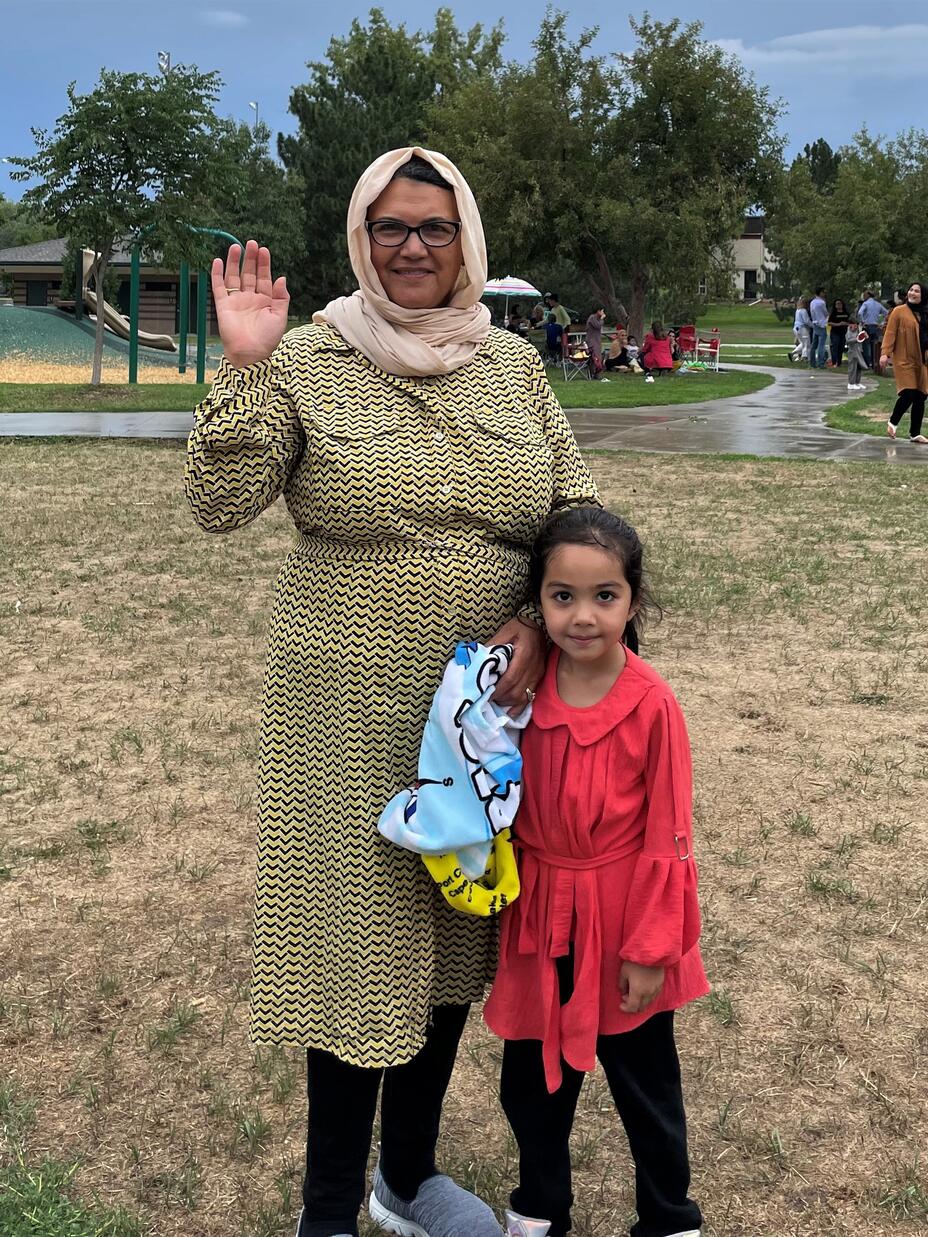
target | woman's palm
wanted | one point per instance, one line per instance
(251, 308)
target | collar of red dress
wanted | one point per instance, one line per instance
(589, 725)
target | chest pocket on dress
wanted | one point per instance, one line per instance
(346, 421)
(513, 427)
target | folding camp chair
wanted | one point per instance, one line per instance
(686, 342)
(708, 349)
(576, 359)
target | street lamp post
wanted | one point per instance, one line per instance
(254, 105)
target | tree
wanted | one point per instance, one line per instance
(638, 167)
(857, 232)
(823, 164)
(369, 95)
(137, 152)
(21, 224)
(266, 202)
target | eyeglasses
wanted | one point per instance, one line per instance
(390, 233)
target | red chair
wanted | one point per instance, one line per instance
(686, 342)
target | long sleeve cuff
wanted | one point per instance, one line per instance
(662, 920)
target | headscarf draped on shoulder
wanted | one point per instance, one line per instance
(412, 342)
(921, 315)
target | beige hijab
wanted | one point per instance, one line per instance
(412, 342)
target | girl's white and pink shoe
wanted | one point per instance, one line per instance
(524, 1226)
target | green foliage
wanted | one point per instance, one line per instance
(138, 152)
(858, 230)
(371, 94)
(636, 168)
(21, 224)
(823, 164)
(265, 203)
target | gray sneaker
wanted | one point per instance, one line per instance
(440, 1209)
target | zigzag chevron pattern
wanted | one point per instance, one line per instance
(416, 500)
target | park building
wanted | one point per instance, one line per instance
(34, 275)
(750, 260)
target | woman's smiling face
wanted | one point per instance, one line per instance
(415, 275)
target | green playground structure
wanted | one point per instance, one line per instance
(184, 325)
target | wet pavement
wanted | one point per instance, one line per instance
(783, 419)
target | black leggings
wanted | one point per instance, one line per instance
(643, 1072)
(914, 399)
(342, 1105)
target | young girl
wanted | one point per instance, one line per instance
(600, 948)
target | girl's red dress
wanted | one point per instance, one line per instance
(604, 839)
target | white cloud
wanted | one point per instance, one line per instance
(898, 50)
(228, 19)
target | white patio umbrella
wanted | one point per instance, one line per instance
(507, 287)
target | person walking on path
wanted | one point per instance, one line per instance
(905, 343)
(602, 945)
(818, 312)
(871, 314)
(802, 332)
(594, 339)
(838, 318)
(419, 451)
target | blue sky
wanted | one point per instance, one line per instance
(836, 65)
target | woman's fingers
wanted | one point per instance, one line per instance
(250, 267)
(217, 281)
(264, 285)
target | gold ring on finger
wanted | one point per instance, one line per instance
(229, 291)
(530, 694)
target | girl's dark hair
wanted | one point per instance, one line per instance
(417, 168)
(593, 526)
(657, 330)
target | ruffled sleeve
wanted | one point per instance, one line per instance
(662, 909)
(246, 441)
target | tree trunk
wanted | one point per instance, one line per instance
(603, 288)
(636, 302)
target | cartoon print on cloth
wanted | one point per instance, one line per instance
(470, 767)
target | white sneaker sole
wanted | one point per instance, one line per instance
(390, 1222)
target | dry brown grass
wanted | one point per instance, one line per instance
(115, 369)
(130, 651)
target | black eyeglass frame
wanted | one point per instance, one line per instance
(370, 224)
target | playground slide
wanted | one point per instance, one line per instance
(120, 325)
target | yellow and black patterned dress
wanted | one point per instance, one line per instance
(415, 500)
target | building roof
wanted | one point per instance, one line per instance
(51, 253)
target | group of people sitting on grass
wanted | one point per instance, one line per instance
(873, 338)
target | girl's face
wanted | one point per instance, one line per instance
(586, 602)
(914, 294)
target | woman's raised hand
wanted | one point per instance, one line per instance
(251, 308)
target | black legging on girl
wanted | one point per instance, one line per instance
(912, 398)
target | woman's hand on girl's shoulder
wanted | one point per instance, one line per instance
(640, 986)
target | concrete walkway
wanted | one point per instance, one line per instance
(783, 419)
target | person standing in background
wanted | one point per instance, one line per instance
(838, 319)
(594, 340)
(871, 315)
(818, 312)
(802, 332)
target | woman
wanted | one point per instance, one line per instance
(838, 319)
(905, 343)
(618, 358)
(418, 451)
(594, 340)
(802, 332)
(655, 351)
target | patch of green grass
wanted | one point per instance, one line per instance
(34, 1202)
(109, 397)
(631, 391)
(868, 414)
